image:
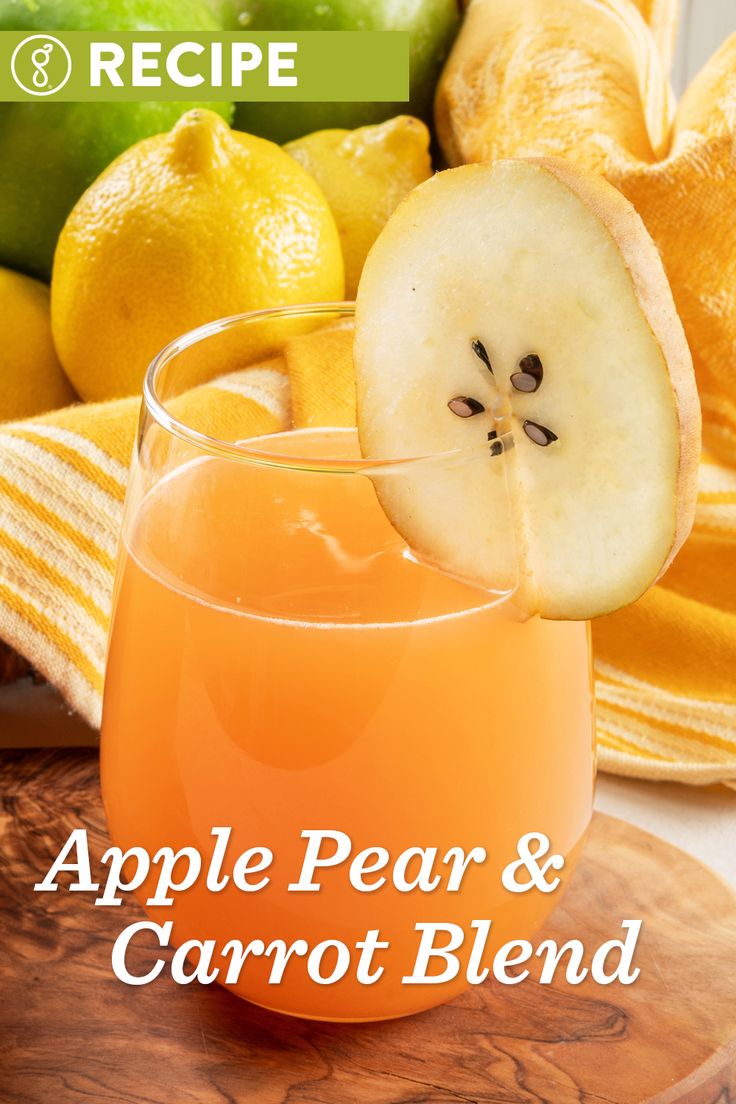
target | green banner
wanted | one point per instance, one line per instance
(148, 65)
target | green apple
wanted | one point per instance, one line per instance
(50, 152)
(431, 23)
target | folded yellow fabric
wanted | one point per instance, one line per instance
(687, 201)
(664, 668)
(321, 377)
(661, 16)
(62, 482)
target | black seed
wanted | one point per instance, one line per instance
(539, 434)
(481, 352)
(524, 381)
(496, 448)
(530, 374)
(532, 366)
(492, 435)
(465, 407)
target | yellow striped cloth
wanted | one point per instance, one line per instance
(62, 484)
(664, 667)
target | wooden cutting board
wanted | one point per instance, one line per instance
(71, 1034)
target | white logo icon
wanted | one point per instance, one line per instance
(30, 63)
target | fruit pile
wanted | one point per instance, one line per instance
(151, 218)
(192, 225)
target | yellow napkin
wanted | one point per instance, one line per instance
(321, 377)
(661, 18)
(666, 667)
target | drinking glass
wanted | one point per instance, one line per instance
(280, 662)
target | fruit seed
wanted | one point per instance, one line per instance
(531, 365)
(539, 434)
(482, 353)
(465, 407)
(523, 381)
(530, 374)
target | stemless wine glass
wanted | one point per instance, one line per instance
(281, 661)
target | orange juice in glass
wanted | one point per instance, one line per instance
(280, 661)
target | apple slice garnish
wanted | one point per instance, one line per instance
(523, 301)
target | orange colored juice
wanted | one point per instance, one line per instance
(280, 662)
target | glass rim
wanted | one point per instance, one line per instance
(156, 407)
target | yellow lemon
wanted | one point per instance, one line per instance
(181, 229)
(365, 173)
(31, 378)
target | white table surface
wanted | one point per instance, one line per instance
(700, 821)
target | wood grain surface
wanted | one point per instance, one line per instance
(71, 1034)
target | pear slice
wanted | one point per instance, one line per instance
(525, 299)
